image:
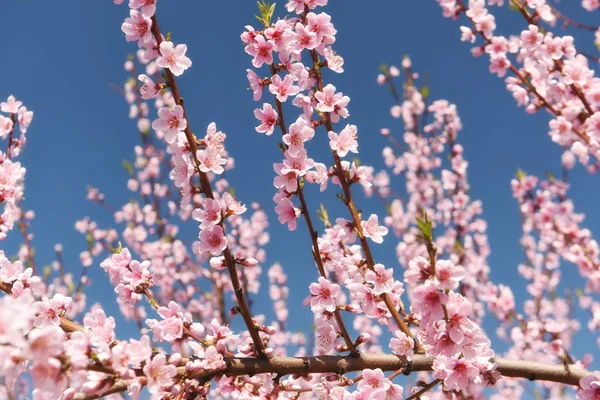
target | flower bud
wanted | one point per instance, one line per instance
(362, 338)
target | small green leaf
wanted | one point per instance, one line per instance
(168, 37)
(521, 174)
(89, 237)
(266, 10)
(118, 249)
(128, 167)
(425, 226)
(323, 214)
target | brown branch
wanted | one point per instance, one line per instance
(349, 202)
(426, 388)
(207, 190)
(66, 324)
(313, 233)
(571, 22)
(530, 370)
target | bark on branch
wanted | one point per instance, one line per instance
(531, 370)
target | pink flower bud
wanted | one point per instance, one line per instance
(363, 338)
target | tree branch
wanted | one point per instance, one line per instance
(531, 370)
(207, 190)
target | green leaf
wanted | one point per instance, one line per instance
(89, 239)
(425, 226)
(322, 213)
(128, 167)
(266, 10)
(168, 37)
(424, 91)
(521, 174)
(118, 249)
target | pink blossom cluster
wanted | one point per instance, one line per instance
(12, 174)
(433, 187)
(189, 299)
(544, 70)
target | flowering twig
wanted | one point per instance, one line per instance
(207, 190)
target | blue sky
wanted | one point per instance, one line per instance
(61, 57)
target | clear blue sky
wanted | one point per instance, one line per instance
(60, 57)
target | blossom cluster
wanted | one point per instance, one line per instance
(545, 71)
(188, 298)
(12, 174)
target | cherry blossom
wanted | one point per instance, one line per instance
(173, 57)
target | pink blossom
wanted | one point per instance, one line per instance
(298, 164)
(231, 205)
(287, 213)
(11, 105)
(209, 215)
(373, 230)
(46, 342)
(268, 119)
(419, 269)
(148, 6)
(318, 176)
(327, 99)
(276, 34)
(334, 61)
(173, 58)
(402, 345)
(211, 161)
(345, 141)
(24, 117)
(448, 275)
(455, 372)
(381, 279)
(299, 133)
(282, 89)
(6, 126)
(102, 329)
(213, 240)
(159, 373)
(325, 334)
(213, 360)
(139, 351)
(9, 272)
(170, 122)
(302, 39)
(51, 310)
(149, 88)
(323, 294)
(256, 84)
(375, 379)
(590, 388)
(138, 273)
(261, 50)
(428, 301)
(137, 27)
